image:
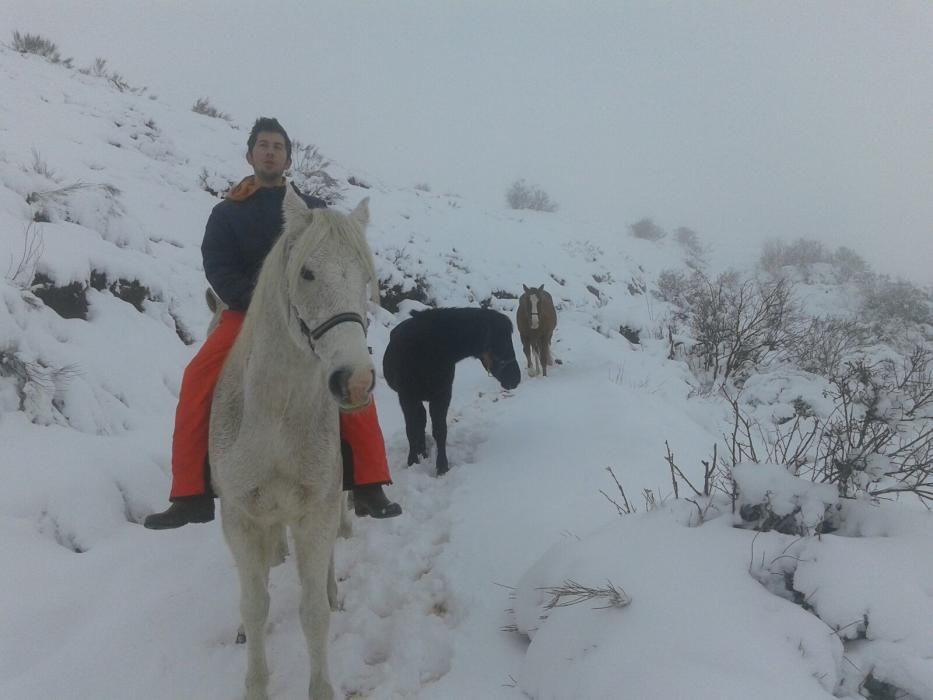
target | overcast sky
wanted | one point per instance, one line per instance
(740, 119)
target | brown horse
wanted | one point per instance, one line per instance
(536, 319)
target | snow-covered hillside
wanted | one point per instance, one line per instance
(102, 208)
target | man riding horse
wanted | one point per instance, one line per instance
(240, 233)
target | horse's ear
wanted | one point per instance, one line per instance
(525, 287)
(293, 206)
(361, 213)
(541, 288)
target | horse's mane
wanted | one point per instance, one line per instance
(303, 233)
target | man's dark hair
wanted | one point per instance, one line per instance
(268, 124)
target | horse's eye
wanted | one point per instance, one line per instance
(307, 274)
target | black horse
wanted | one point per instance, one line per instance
(419, 365)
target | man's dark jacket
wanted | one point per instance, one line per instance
(240, 232)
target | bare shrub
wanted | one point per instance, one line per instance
(37, 384)
(672, 286)
(100, 69)
(59, 202)
(22, 266)
(520, 195)
(39, 46)
(309, 171)
(825, 343)
(40, 167)
(736, 324)
(572, 593)
(422, 187)
(647, 230)
(204, 106)
(58, 193)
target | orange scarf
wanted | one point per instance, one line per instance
(245, 189)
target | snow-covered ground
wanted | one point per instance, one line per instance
(452, 599)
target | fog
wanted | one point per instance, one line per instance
(742, 120)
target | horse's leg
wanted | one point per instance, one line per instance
(253, 549)
(332, 584)
(416, 421)
(280, 554)
(346, 523)
(439, 430)
(315, 535)
(526, 346)
(536, 357)
(544, 354)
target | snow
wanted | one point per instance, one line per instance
(450, 600)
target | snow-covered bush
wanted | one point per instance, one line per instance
(874, 441)
(520, 195)
(203, 106)
(40, 46)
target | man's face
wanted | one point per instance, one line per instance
(269, 156)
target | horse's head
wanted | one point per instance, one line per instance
(536, 311)
(329, 275)
(498, 357)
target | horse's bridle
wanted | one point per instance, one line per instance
(318, 332)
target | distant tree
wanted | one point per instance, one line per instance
(647, 230)
(850, 266)
(800, 255)
(689, 240)
(523, 196)
(894, 307)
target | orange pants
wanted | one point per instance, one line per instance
(359, 429)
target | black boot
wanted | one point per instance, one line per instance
(371, 500)
(190, 509)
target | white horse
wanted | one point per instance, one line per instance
(300, 356)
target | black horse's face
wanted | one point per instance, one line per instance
(499, 359)
(507, 372)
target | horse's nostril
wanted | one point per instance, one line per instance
(337, 383)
